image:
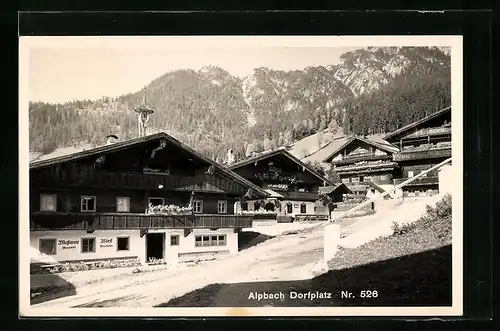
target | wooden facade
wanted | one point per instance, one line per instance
(293, 184)
(151, 169)
(361, 160)
(422, 145)
(42, 221)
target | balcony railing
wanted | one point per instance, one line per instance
(418, 182)
(306, 196)
(430, 132)
(40, 221)
(207, 183)
(366, 168)
(360, 157)
(406, 155)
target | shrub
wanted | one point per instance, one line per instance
(83, 266)
(437, 218)
(402, 229)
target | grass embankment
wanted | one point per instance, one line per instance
(411, 267)
(431, 231)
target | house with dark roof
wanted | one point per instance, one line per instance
(293, 185)
(422, 145)
(360, 161)
(145, 198)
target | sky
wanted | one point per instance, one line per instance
(60, 72)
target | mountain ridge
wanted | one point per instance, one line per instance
(212, 110)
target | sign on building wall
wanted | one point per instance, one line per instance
(106, 242)
(68, 244)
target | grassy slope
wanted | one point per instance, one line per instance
(411, 267)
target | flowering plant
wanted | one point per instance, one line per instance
(260, 211)
(169, 210)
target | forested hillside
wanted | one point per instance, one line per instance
(371, 90)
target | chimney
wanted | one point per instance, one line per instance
(230, 156)
(111, 139)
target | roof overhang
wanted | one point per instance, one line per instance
(410, 126)
(133, 142)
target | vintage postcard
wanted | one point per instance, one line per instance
(241, 176)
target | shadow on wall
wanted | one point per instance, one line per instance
(47, 287)
(422, 279)
(247, 239)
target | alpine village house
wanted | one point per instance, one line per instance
(364, 164)
(368, 165)
(293, 187)
(422, 145)
(147, 198)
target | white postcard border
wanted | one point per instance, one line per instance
(455, 42)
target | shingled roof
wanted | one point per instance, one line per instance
(266, 155)
(417, 123)
(377, 143)
(133, 142)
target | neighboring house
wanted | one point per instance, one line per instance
(293, 185)
(94, 205)
(422, 144)
(336, 192)
(360, 161)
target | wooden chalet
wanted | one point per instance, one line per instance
(149, 198)
(293, 185)
(422, 144)
(360, 162)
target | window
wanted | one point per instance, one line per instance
(244, 206)
(345, 180)
(122, 243)
(198, 206)
(156, 201)
(123, 204)
(361, 178)
(47, 246)
(88, 245)
(218, 240)
(410, 174)
(355, 179)
(289, 208)
(48, 202)
(222, 206)
(174, 240)
(303, 208)
(88, 203)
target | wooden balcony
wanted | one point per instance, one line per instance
(366, 168)
(433, 153)
(301, 196)
(430, 132)
(40, 221)
(418, 182)
(359, 158)
(206, 183)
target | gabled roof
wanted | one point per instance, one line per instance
(132, 142)
(417, 123)
(379, 144)
(326, 150)
(333, 188)
(266, 155)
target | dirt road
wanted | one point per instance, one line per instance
(285, 257)
(291, 257)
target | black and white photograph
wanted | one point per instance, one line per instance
(241, 176)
